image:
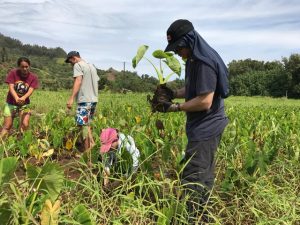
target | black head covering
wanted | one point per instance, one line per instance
(203, 52)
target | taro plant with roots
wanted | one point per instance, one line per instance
(167, 57)
(172, 63)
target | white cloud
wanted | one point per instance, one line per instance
(108, 32)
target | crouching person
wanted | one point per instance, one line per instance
(117, 149)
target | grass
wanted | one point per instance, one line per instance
(257, 174)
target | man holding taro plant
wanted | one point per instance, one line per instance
(85, 91)
(206, 84)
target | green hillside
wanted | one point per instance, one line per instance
(47, 63)
(54, 74)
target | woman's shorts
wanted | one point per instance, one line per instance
(14, 110)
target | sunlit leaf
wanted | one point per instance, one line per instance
(138, 119)
(69, 144)
(130, 196)
(43, 143)
(140, 54)
(160, 54)
(173, 64)
(160, 141)
(49, 215)
(48, 153)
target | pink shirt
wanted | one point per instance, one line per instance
(21, 84)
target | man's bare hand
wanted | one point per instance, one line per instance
(70, 103)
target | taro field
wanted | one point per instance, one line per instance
(45, 179)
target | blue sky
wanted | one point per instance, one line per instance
(108, 32)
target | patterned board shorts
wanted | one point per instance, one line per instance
(85, 113)
(14, 110)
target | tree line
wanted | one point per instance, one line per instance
(247, 77)
(277, 78)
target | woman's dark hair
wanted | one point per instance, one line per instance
(23, 59)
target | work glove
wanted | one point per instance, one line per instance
(167, 107)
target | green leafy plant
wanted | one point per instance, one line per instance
(167, 57)
(82, 215)
(5, 210)
(47, 179)
(7, 168)
(25, 142)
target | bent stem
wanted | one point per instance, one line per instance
(159, 73)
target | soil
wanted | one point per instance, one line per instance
(161, 94)
(70, 165)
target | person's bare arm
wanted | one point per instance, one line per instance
(13, 92)
(199, 103)
(76, 87)
(22, 99)
(29, 93)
